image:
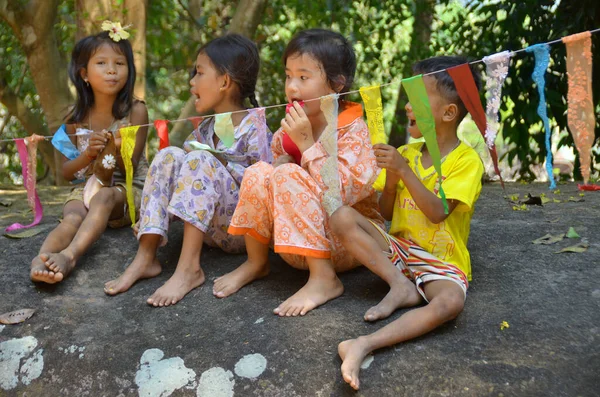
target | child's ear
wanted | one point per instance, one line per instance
(83, 74)
(338, 84)
(450, 112)
(225, 82)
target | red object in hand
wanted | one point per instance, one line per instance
(288, 145)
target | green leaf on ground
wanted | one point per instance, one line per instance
(522, 207)
(581, 247)
(545, 199)
(576, 199)
(549, 239)
(572, 233)
(557, 191)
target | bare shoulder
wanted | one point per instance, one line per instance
(139, 113)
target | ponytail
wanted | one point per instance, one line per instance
(253, 101)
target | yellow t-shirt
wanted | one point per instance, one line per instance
(462, 170)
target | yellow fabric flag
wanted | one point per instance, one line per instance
(371, 97)
(127, 146)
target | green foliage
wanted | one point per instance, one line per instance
(492, 26)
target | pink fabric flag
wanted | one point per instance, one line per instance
(163, 133)
(27, 154)
(467, 90)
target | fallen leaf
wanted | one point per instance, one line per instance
(576, 199)
(18, 316)
(522, 207)
(5, 203)
(557, 191)
(504, 324)
(556, 200)
(581, 247)
(545, 200)
(27, 232)
(572, 233)
(514, 197)
(532, 200)
(549, 239)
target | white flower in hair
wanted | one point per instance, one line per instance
(115, 30)
(109, 162)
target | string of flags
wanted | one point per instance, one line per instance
(580, 115)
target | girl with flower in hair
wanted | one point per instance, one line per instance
(103, 73)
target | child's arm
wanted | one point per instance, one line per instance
(139, 116)
(388, 196)
(397, 168)
(96, 144)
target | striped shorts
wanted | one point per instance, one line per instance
(419, 265)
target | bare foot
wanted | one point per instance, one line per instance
(141, 267)
(403, 295)
(180, 283)
(231, 282)
(317, 291)
(352, 352)
(60, 264)
(39, 272)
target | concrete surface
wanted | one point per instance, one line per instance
(81, 342)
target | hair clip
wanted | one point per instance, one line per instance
(115, 30)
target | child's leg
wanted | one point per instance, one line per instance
(188, 274)
(255, 267)
(106, 204)
(365, 242)
(322, 286)
(253, 218)
(154, 219)
(73, 214)
(446, 301)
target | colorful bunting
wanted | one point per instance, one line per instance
(127, 146)
(62, 143)
(224, 128)
(27, 149)
(332, 199)
(371, 97)
(496, 70)
(542, 60)
(580, 114)
(467, 90)
(163, 133)
(417, 96)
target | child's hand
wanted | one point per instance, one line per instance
(283, 159)
(98, 141)
(298, 127)
(118, 140)
(388, 157)
(36, 138)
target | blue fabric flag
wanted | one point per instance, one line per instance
(542, 59)
(63, 144)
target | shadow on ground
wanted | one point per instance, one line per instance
(81, 342)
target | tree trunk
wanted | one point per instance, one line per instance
(248, 15)
(419, 49)
(32, 24)
(91, 14)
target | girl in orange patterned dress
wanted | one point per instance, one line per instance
(282, 204)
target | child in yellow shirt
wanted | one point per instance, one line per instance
(424, 257)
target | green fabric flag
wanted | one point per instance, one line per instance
(224, 128)
(417, 96)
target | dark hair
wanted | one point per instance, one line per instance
(237, 56)
(82, 53)
(331, 49)
(445, 84)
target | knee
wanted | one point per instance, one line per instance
(74, 218)
(449, 306)
(106, 197)
(168, 156)
(256, 176)
(342, 221)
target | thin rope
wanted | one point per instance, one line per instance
(316, 99)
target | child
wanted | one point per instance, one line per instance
(198, 186)
(425, 246)
(103, 73)
(281, 204)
